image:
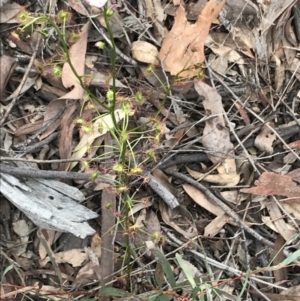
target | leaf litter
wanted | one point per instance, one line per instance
(229, 119)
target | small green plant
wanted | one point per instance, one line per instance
(118, 111)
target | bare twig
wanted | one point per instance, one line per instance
(162, 191)
(33, 148)
(45, 174)
(41, 130)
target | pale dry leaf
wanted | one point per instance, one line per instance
(77, 57)
(294, 290)
(182, 50)
(49, 236)
(268, 222)
(292, 207)
(225, 54)
(216, 136)
(159, 11)
(201, 199)
(147, 224)
(22, 228)
(216, 225)
(75, 257)
(218, 64)
(9, 13)
(86, 274)
(236, 41)
(222, 179)
(265, 139)
(144, 52)
(78, 7)
(278, 220)
(233, 196)
(166, 215)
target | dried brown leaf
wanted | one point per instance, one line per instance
(201, 199)
(8, 65)
(270, 183)
(216, 136)
(278, 220)
(77, 57)
(86, 274)
(75, 257)
(51, 111)
(66, 135)
(183, 48)
(280, 275)
(214, 227)
(8, 13)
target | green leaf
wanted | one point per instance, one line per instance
(290, 259)
(217, 292)
(186, 270)
(166, 267)
(113, 292)
(161, 297)
(159, 275)
(196, 290)
(245, 284)
(10, 267)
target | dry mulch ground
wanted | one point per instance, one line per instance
(150, 150)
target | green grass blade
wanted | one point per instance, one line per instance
(166, 267)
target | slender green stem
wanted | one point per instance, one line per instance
(113, 57)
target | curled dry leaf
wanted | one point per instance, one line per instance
(75, 257)
(222, 179)
(145, 52)
(183, 48)
(216, 136)
(265, 139)
(77, 57)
